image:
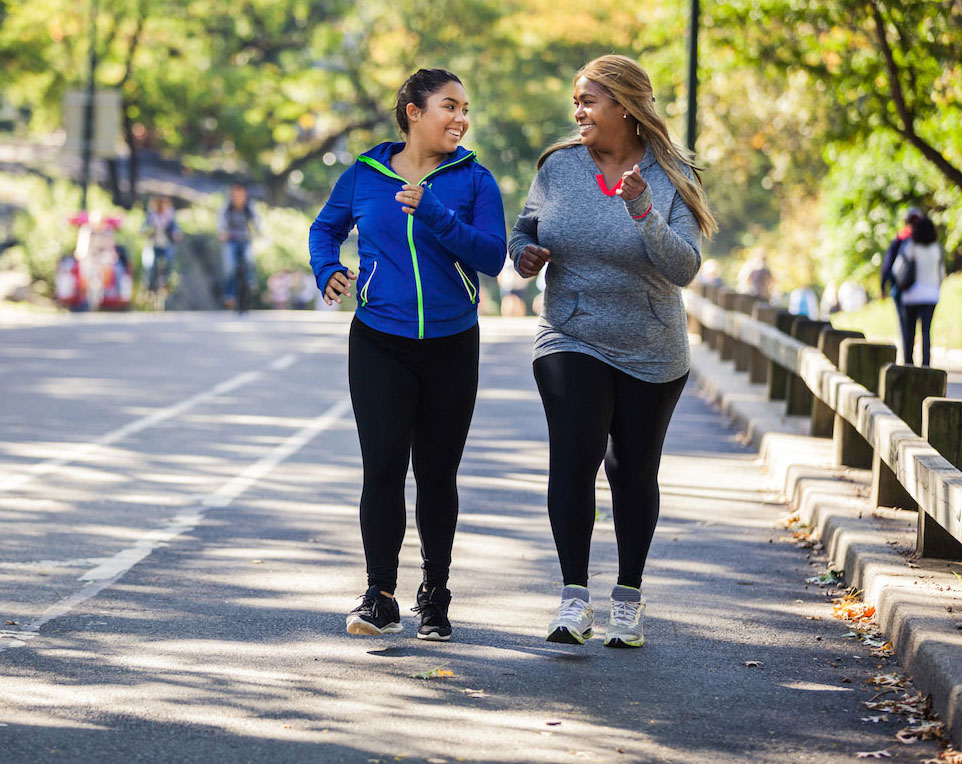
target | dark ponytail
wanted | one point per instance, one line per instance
(416, 90)
(923, 231)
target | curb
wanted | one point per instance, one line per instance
(918, 602)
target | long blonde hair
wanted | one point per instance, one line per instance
(628, 84)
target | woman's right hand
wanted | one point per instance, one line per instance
(532, 260)
(338, 285)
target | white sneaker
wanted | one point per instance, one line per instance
(626, 624)
(575, 619)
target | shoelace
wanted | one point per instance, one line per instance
(429, 611)
(625, 611)
(367, 603)
(573, 608)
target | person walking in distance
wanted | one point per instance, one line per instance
(429, 217)
(236, 226)
(920, 298)
(616, 215)
(887, 279)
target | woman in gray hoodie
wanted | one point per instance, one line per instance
(616, 214)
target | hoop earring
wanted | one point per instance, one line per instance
(638, 128)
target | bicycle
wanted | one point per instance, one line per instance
(157, 282)
(240, 281)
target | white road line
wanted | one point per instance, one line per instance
(84, 450)
(112, 569)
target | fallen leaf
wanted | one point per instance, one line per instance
(476, 693)
(876, 719)
(436, 673)
(12, 623)
(920, 730)
(873, 755)
(257, 562)
(553, 724)
(829, 578)
(287, 726)
(753, 664)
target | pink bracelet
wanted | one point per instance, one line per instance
(639, 217)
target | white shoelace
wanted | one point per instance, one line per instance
(573, 608)
(625, 611)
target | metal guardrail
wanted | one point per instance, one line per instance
(925, 475)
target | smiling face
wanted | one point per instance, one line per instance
(442, 123)
(599, 116)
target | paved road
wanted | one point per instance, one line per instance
(178, 499)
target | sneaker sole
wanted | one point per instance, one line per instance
(620, 642)
(563, 636)
(360, 627)
(434, 636)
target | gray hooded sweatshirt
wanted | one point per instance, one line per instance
(613, 286)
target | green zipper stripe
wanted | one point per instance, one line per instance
(367, 284)
(373, 163)
(417, 277)
(472, 293)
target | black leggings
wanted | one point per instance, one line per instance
(911, 315)
(596, 412)
(413, 400)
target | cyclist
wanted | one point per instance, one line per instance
(236, 227)
(162, 233)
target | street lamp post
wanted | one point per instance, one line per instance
(693, 76)
(88, 129)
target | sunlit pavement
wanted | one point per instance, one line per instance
(180, 544)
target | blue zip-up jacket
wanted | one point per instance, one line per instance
(418, 274)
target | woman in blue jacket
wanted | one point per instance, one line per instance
(429, 217)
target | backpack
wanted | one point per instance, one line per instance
(903, 269)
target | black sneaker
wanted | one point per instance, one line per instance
(377, 614)
(433, 608)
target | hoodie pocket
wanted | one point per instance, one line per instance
(468, 286)
(364, 294)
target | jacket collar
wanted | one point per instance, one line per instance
(383, 152)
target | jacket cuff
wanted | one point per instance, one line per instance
(324, 276)
(640, 207)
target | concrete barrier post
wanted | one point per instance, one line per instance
(861, 361)
(726, 300)
(777, 374)
(942, 428)
(798, 398)
(823, 418)
(743, 304)
(903, 389)
(757, 362)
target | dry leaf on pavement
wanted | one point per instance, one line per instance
(435, 673)
(873, 755)
(753, 664)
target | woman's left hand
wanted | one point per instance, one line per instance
(632, 184)
(409, 196)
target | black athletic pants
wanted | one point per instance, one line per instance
(413, 401)
(596, 412)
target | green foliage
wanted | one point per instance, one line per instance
(797, 99)
(41, 224)
(865, 196)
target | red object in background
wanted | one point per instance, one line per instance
(94, 277)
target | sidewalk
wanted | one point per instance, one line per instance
(918, 602)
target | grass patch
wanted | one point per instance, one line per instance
(877, 320)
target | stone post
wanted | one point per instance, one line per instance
(861, 361)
